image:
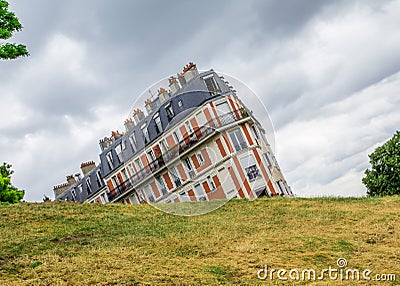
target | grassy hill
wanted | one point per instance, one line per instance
(61, 243)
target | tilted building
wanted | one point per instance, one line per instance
(197, 141)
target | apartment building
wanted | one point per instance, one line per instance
(196, 141)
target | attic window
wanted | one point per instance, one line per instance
(170, 111)
(211, 84)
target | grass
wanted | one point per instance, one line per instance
(61, 243)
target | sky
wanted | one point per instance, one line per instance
(328, 72)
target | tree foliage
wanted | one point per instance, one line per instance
(8, 193)
(383, 178)
(9, 24)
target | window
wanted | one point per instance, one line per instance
(157, 121)
(255, 131)
(150, 155)
(88, 186)
(222, 107)
(252, 172)
(177, 135)
(132, 139)
(145, 133)
(115, 181)
(201, 195)
(103, 198)
(175, 176)
(189, 127)
(188, 164)
(118, 149)
(139, 164)
(211, 84)
(164, 146)
(250, 167)
(124, 175)
(269, 158)
(80, 189)
(161, 184)
(98, 178)
(211, 183)
(200, 158)
(184, 197)
(110, 161)
(282, 187)
(73, 193)
(149, 194)
(134, 199)
(237, 139)
(131, 170)
(180, 104)
(170, 111)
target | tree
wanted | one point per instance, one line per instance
(384, 177)
(8, 193)
(9, 24)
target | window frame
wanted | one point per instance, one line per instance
(158, 123)
(233, 135)
(110, 160)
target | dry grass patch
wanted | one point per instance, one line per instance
(71, 244)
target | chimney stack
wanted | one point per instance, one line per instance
(138, 115)
(181, 79)
(163, 95)
(129, 124)
(116, 135)
(71, 180)
(173, 84)
(190, 71)
(59, 189)
(86, 167)
(150, 105)
(105, 143)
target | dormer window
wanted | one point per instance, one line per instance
(88, 186)
(211, 84)
(118, 149)
(110, 160)
(157, 121)
(170, 111)
(145, 133)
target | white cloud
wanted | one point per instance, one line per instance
(325, 152)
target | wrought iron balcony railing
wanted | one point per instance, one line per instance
(175, 152)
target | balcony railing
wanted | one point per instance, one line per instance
(185, 144)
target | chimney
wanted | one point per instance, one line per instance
(129, 124)
(173, 84)
(181, 79)
(190, 71)
(116, 135)
(105, 143)
(59, 189)
(86, 167)
(150, 105)
(78, 177)
(71, 180)
(163, 95)
(138, 115)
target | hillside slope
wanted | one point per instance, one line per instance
(62, 243)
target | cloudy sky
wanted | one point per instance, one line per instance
(327, 71)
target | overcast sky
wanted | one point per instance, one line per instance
(327, 71)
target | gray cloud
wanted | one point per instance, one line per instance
(316, 65)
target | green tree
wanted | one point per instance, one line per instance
(383, 179)
(9, 24)
(8, 193)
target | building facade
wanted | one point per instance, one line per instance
(196, 142)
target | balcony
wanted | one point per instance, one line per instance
(175, 152)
